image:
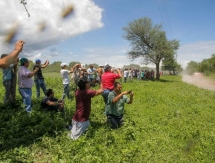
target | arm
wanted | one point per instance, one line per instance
(51, 103)
(115, 99)
(33, 72)
(131, 98)
(119, 72)
(73, 68)
(10, 59)
(45, 64)
(100, 90)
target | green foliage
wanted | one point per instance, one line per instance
(192, 67)
(169, 121)
(206, 66)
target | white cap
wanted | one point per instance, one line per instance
(82, 66)
(63, 64)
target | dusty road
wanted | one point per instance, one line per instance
(201, 82)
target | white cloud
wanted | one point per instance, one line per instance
(85, 17)
(196, 51)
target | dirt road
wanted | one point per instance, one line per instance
(199, 81)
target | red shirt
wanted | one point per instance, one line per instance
(83, 104)
(108, 80)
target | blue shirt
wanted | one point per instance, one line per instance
(7, 73)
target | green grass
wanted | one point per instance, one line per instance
(169, 121)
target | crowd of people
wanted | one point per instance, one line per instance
(129, 74)
(104, 76)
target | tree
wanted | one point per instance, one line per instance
(192, 67)
(149, 42)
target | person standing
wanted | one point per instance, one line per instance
(38, 77)
(125, 74)
(80, 120)
(91, 71)
(115, 105)
(7, 81)
(25, 82)
(65, 75)
(108, 80)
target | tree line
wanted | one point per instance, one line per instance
(206, 66)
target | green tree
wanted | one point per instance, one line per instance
(192, 67)
(149, 42)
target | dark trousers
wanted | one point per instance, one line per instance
(115, 121)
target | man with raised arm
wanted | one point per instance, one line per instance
(38, 77)
(12, 57)
(115, 105)
(80, 120)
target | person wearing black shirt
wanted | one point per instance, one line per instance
(38, 77)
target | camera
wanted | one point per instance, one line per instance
(129, 92)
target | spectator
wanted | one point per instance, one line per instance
(125, 73)
(38, 77)
(66, 81)
(130, 74)
(115, 105)
(91, 75)
(25, 82)
(11, 58)
(100, 71)
(83, 95)
(108, 80)
(7, 80)
(50, 103)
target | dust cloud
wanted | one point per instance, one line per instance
(199, 81)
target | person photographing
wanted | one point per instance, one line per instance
(115, 105)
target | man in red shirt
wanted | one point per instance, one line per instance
(83, 95)
(108, 80)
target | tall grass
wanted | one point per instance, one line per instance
(169, 121)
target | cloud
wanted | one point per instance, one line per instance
(196, 51)
(86, 17)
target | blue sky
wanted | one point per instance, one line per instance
(93, 33)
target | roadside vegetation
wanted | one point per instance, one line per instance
(206, 66)
(169, 121)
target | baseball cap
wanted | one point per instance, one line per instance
(107, 67)
(3, 55)
(37, 60)
(23, 60)
(63, 64)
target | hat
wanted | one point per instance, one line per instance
(37, 60)
(63, 64)
(3, 55)
(107, 67)
(23, 60)
(82, 66)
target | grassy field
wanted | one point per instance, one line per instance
(169, 121)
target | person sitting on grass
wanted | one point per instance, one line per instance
(115, 105)
(50, 103)
(83, 95)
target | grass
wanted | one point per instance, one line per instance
(169, 121)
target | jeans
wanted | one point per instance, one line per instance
(40, 83)
(66, 91)
(105, 95)
(7, 86)
(125, 79)
(115, 121)
(26, 94)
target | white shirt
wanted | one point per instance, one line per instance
(64, 73)
(126, 73)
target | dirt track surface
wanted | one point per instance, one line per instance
(199, 81)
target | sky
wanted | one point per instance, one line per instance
(93, 33)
